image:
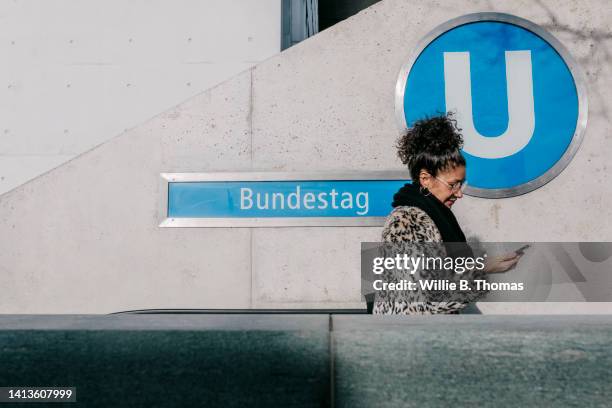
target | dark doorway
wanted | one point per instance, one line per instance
(334, 11)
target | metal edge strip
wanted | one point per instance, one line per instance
(287, 176)
(273, 222)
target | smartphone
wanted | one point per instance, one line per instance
(522, 249)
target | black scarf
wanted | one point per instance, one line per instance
(442, 216)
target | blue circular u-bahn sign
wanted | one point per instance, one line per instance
(517, 95)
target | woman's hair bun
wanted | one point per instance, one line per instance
(432, 144)
(437, 135)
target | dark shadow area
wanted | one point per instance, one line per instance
(213, 368)
(333, 11)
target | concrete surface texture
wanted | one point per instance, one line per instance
(314, 360)
(487, 361)
(75, 74)
(255, 362)
(84, 237)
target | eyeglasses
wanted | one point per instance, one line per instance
(455, 187)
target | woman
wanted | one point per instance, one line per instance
(422, 214)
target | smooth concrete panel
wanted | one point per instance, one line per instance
(84, 238)
(75, 123)
(332, 110)
(211, 133)
(77, 73)
(14, 169)
(308, 267)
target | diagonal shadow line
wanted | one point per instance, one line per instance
(568, 264)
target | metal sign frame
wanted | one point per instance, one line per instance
(575, 70)
(169, 222)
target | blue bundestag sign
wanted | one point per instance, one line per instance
(515, 94)
(279, 199)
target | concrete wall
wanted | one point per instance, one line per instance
(76, 73)
(84, 237)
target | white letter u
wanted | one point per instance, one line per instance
(521, 116)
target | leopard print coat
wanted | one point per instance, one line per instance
(411, 226)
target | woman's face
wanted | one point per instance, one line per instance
(441, 186)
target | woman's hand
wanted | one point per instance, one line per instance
(501, 263)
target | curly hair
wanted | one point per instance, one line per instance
(432, 144)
